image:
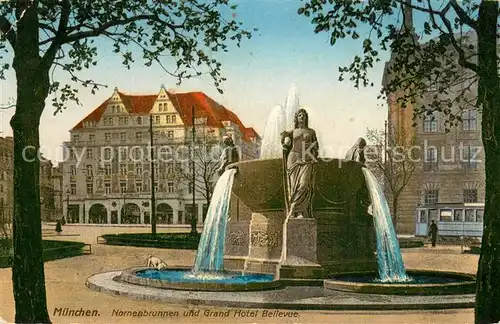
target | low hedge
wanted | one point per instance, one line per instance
(52, 250)
(409, 243)
(185, 241)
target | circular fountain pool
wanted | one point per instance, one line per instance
(185, 279)
(422, 282)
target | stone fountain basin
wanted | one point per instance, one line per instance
(455, 283)
(131, 276)
(259, 183)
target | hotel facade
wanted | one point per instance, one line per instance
(107, 171)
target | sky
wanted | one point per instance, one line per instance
(284, 51)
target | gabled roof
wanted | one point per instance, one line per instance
(138, 104)
(204, 106)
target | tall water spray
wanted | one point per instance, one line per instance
(270, 147)
(210, 254)
(292, 105)
(390, 261)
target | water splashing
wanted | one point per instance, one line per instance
(292, 105)
(210, 254)
(270, 147)
(390, 261)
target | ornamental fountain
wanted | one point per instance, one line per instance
(249, 244)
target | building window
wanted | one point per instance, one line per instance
(90, 188)
(458, 215)
(107, 138)
(108, 121)
(431, 196)
(72, 170)
(107, 153)
(138, 169)
(107, 169)
(138, 136)
(470, 157)
(431, 162)
(430, 124)
(160, 107)
(107, 188)
(480, 215)
(123, 187)
(88, 153)
(123, 169)
(76, 138)
(446, 215)
(170, 134)
(470, 195)
(123, 137)
(138, 186)
(190, 188)
(170, 168)
(469, 120)
(156, 186)
(73, 188)
(170, 187)
(157, 119)
(89, 170)
(174, 119)
(139, 120)
(469, 215)
(168, 119)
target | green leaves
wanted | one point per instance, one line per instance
(152, 31)
(432, 73)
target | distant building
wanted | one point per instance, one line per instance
(6, 188)
(448, 184)
(57, 180)
(112, 181)
(7, 182)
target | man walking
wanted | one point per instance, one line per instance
(433, 230)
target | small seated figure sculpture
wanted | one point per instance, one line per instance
(300, 146)
(229, 155)
(155, 262)
(357, 151)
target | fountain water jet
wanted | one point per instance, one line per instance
(390, 262)
(292, 104)
(270, 146)
(210, 254)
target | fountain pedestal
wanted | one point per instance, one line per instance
(300, 259)
(339, 238)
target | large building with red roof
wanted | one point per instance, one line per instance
(108, 170)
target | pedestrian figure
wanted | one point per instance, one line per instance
(433, 231)
(58, 227)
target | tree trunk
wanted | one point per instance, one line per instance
(32, 89)
(27, 270)
(487, 308)
(395, 211)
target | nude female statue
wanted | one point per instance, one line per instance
(301, 152)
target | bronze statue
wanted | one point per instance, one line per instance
(301, 151)
(229, 155)
(357, 152)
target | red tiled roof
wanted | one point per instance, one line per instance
(183, 103)
(93, 116)
(140, 104)
(250, 132)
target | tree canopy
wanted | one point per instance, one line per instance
(180, 36)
